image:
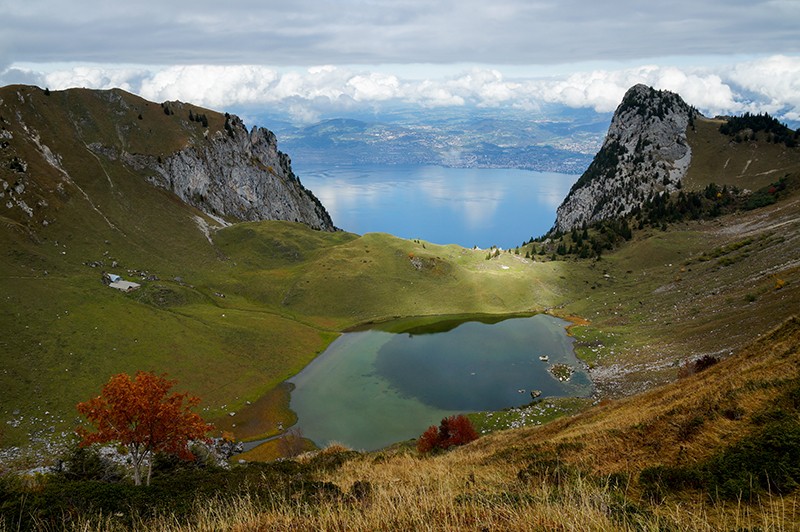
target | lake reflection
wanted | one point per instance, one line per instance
(466, 206)
(373, 388)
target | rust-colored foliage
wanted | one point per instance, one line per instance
(143, 416)
(456, 430)
(429, 440)
(453, 430)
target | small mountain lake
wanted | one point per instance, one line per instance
(374, 387)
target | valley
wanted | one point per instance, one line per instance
(232, 308)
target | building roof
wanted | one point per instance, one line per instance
(125, 286)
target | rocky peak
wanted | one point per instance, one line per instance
(645, 152)
(238, 174)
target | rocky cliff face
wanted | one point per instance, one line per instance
(56, 145)
(645, 152)
(238, 174)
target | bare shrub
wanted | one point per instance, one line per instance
(696, 366)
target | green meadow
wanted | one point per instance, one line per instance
(232, 311)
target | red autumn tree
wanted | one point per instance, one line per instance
(429, 440)
(143, 416)
(456, 430)
(453, 430)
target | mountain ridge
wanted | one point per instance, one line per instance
(209, 162)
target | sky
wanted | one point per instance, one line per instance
(314, 57)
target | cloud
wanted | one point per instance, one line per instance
(769, 84)
(309, 32)
(374, 87)
(603, 90)
(210, 85)
(96, 77)
(773, 84)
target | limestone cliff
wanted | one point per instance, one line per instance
(79, 147)
(645, 152)
(238, 174)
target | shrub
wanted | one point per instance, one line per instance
(769, 461)
(696, 366)
(453, 431)
(765, 462)
(429, 440)
(86, 463)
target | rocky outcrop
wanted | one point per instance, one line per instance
(237, 174)
(645, 152)
(65, 146)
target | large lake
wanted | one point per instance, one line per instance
(466, 206)
(373, 388)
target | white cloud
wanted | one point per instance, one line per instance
(429, 93)
(95, 77)
(773, 82)
(210, 85)
(374, 87)
(768, 84)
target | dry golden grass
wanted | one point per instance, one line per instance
(414, 494)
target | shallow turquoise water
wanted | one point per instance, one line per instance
(373, 388)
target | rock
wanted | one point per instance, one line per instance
(645, 152)
(239, 175)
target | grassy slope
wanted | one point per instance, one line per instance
(288, 290)
(702, 286)
(747, 165)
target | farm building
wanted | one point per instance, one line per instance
(125, 286)
(115, 281)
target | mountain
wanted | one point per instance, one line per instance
(645, 152)
(62, 147)
(476, 138)
(687, 326)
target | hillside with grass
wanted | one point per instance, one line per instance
(684, 311)
(228, 309)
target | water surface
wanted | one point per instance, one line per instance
(466, 206)
(373, 388)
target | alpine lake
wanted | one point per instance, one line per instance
(388, 383)
(375, 387)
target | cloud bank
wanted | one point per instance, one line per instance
(770, 84)
(263, 53)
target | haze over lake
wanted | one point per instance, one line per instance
(465, 206)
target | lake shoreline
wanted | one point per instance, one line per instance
(413, 326)
(266, 430)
